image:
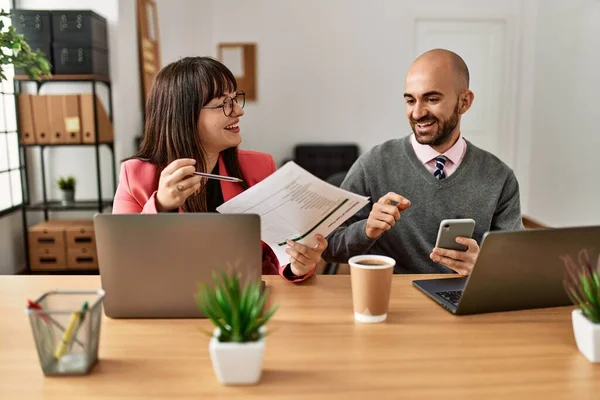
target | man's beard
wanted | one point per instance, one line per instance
(444, 130)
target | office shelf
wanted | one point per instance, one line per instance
(109, 144)
(79, 205)
(48, 205)
(66, 271)
(66, 78)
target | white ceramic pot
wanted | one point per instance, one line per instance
(68, 196)
(587, 336)
(237, 363)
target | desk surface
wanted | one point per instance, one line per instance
(315, 351)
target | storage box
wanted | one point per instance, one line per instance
(79, 28)
(35, 25)
(82, 258)
(47, 234)
(80, 234)
(44, 47)
(47, 258)
(71, 59)
(63, 244)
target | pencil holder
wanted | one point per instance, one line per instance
(66, 330)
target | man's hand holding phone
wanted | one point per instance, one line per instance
(454, 246)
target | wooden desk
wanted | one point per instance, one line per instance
(315, 351)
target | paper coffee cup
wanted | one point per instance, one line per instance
(371, 277)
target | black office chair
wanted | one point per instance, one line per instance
(335, 179)
(326, 159)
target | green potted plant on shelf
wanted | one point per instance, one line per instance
(238, 341)
(67, 187)
(582, 283)
(14, 50)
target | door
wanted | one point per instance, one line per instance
(148, 45)
(483, 45)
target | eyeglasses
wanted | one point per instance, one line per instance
(227, 104)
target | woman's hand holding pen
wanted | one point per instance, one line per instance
(177, 183)
(303, 258)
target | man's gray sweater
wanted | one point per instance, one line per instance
(482, 188)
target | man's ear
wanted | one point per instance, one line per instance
(465, 101)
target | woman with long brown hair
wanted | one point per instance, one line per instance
(192, 124)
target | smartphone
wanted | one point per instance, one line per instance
(450, 229)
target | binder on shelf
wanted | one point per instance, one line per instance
(26, 129)
(56, 118)
(88, 131)
(39, 111)
(71, 118)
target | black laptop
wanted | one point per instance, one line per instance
(515, 270)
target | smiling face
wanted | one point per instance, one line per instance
(217, 131)
(435, 97)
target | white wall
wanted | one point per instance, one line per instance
(328, 70)
(127, 124)
(566, 136)
(185, 29)
(331, 70)
(12, 256)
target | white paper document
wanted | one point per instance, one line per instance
(295, 205)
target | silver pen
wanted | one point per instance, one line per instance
(219, 177)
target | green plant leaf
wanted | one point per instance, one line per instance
(249, 299)
(263, 320)
(234, 292)
(586, 286)
(206, 298)
(210, 309)
(254, 316)
(16, 51)
(243, 309)
(234, 308)
(223, 304)
(582, 284)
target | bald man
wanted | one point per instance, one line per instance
(426, 177)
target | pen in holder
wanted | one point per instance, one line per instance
(66, 330)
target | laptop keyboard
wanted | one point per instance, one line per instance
(452, 296)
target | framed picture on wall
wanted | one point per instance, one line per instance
(148, 45)
(240, 58)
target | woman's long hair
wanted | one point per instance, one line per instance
(179, 92)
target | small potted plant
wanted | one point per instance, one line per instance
(67, 187)
(582, 283)
(237, 345)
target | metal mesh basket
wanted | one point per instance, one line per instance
(66, 330)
